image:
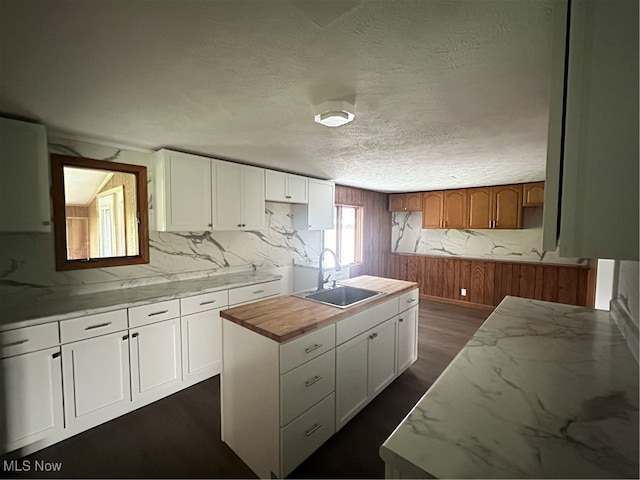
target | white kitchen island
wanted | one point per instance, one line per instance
(542, 390)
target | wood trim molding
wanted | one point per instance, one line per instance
(451, 301)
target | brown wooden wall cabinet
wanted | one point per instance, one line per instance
(444, 209)
(487, 282)
(405, 202)
(495, 207)
(533, 194)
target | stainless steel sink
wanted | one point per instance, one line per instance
(341, 296)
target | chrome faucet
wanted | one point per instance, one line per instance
(321, 279)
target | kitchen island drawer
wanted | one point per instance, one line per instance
(361, 322)
(155, 312)
(28, 339)
(305, 434)
(408, 300)
(254, 292)
(303, 387)
(307, 347)
(203, 302)
(93, 325)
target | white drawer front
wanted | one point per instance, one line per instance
(93, 325)
(305, 434)
(203, 302)
(307, 347)
(303, 387)
(408, 300)
(28, 339)
(363, 321)
(155, 312)
(254, 292)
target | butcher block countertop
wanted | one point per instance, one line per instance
(286, 317)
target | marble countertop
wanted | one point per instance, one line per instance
(23, 312)
(288, 316)
(542, 390)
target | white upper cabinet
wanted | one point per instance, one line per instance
(319, 213)
(592, 158)
(183, 192)
(238, 197)
(285, 187)
(24, 179)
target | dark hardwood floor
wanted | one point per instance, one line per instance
(179, 436)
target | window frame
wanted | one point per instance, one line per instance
(359, 232)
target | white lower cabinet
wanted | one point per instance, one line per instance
(201, 345)
(310, 386)
(31, 398)
(365, 365)
(407, 338)
(96, 380)
(155, 360)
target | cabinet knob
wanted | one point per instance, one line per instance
(401, 320)
(56, 355)
(287, 196)
(134, 335)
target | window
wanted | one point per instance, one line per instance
(346, 238)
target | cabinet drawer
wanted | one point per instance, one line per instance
(305, 434)
(254, 292)
(366, 320)
(408, 300)
(28, 339)
(303, 387)
(203, 302)
(309, 346)
(93, 325)
(155, 312)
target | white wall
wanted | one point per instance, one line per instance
(27, 259)
(522, 245)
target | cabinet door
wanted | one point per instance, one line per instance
(228, 196)
(351, 378)
(253, 214)
(507, 202)
(396, 202)
(432, 210)
(382, 356)
(201, 345)
(155, 360)
(407, 338)
(321, 205)
(413, 202)
(479, 208)
(298, 188)
(96, 380)
(455, 209)
(24, 183)
(188, 192)
(275, 186)
(31, 406)
(533, 194)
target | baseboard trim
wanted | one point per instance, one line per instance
(627, 326)
(462, 303)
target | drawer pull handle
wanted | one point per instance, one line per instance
(313, 429)
(411, 300)
(100, 325)
(315, 379)
(158, 313)
(208, 302)
(134, 335)
(311, 349)
(56, 355)
(258, 291)
(13, 344)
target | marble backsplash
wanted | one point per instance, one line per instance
(27, 262)
(524, 245)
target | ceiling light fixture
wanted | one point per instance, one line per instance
(334, 113)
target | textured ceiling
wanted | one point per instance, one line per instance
(447, 93)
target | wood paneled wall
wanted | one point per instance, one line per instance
(376, 225)
(488, 281)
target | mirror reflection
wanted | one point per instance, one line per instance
(100, 213)
(100, 209)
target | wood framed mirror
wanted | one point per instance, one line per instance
(100, 213)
